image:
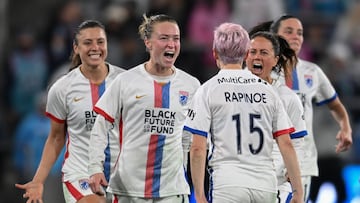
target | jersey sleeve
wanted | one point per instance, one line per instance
(198, 118)
(56, 102)
(326, 92)
(110, 102)
(281, 121)
(98, 143)
(187, 136)
(295, 111)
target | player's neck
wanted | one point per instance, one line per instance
(95, 75)
(231, 66)
(156, 69)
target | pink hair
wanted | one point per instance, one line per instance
(231, 42)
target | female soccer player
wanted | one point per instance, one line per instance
(152, 100)
(244, 115)
(269, 52)
(70, 107)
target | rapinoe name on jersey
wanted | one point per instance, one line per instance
(255, 97)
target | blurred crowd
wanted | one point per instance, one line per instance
(36, 43)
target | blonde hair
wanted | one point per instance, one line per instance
(147, 26)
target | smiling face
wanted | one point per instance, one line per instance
(261, 57)
(91, 46)
(292, 30)
(164, 44)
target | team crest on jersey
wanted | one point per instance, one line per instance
(308, 80)
(84, 184)
(183, 97)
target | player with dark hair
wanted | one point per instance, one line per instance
(242, 114)
(70, 107)
(310, 83)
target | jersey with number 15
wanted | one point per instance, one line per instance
(243, 114)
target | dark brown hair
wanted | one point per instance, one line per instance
(274, 27)
(287, 56)
(75, 58)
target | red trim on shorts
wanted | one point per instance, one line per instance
(74, 192)
(115, 200)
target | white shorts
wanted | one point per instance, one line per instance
(285, 191)
(129, 199)
(75, 190)
(306, 182)
(240, 194)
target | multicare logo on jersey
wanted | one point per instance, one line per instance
(183, 97)
(308, 80)
(84, 184)
(240, 80)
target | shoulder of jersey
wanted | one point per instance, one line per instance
(68, 77)
(130, 74)
(262, 81)
(307, 64)
(189, 76)
(286, 92)
(248, 74)
(116, 69)
(64, 81)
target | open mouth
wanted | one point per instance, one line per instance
(169, 54)
(257, 69)
(257, 66)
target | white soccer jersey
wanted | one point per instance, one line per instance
(243, 114)
(295, 111)
(71, 100)
(153, 110)
(310, 84)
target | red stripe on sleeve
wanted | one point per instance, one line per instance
(103, 113)
(282, 132)
(52, 117)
